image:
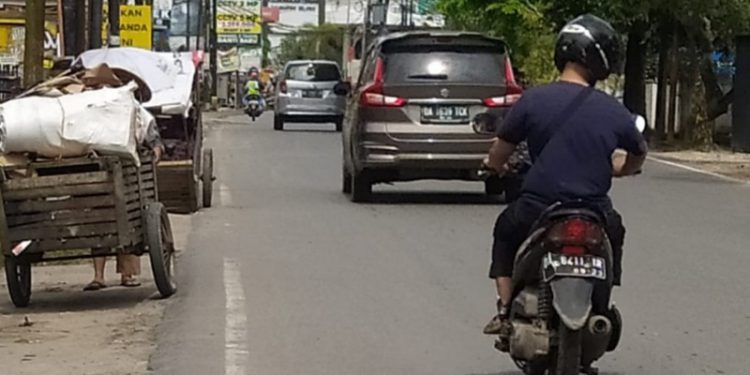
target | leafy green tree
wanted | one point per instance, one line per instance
(521, 23)
(655, 32)
(323, 42)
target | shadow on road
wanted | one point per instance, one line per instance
(76, 300)
(434, 198)
(518, 372)
(308, 130)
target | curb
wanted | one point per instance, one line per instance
(698, 170)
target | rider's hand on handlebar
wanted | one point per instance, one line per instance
(493, 171)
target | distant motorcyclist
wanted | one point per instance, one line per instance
(572, 131)
(254, 88)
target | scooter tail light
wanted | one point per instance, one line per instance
(575, 232)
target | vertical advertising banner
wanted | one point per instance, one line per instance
(136, 29)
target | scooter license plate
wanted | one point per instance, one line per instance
(586, 266)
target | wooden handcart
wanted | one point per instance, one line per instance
(186, 173)
(80, 208)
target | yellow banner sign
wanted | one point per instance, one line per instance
(238, 24)
(136, 26)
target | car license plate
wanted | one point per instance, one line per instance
(587, 266)
(312, 94)
(449, 114)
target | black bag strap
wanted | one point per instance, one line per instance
(565, 115)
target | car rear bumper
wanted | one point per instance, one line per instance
(394, 165)
(295, 107)
(458, 149)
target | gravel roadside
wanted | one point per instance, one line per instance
(67, 331)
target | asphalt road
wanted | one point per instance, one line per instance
(286, 276)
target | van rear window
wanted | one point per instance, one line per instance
(456, 65)
(313, 72)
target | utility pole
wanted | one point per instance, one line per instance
(114, 23)
(74, 26)
(95, 25)
(187, 26)
(201, 26)
(212, 61)
(33, 53)
(321, 12)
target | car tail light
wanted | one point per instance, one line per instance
(502, 101)
(282, 87)
(513, 91)
(372, 95)
(575, 233)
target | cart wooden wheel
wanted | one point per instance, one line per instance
(160, 247)
(208, 177)
(18, 276)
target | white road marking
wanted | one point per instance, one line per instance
(235, 324)
(698, 170)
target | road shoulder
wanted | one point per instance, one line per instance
(723, 164)
(68, 331)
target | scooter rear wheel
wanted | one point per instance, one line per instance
(568, 351)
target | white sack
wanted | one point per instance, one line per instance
(72, 125)
(34, 124)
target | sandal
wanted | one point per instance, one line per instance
(94, 286)
(130, 282)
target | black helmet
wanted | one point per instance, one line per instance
(591, 42)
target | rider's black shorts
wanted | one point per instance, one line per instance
(514, 224)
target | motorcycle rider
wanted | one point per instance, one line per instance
(573, 132)
(254, 88)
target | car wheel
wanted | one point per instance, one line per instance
(346, 178)
(361, 187)
(278, 123)
(493, 186)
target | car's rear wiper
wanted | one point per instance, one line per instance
(429, 76)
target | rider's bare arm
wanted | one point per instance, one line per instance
(499, 154)
(628, 164)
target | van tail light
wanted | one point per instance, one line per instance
(502, 101)
(282, 87)
(513, 91)
(575, 233)
(372, 95)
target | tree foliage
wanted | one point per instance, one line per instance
(649, 26)
(521, 23)
(323, 42)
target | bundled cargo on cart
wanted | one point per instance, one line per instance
(75, 178)
(186, 171)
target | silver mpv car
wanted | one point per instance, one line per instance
(305, 93)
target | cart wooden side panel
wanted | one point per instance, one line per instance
(178, 186)
(181, 172)
(76, 204)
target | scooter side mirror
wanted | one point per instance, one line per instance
(640, 123)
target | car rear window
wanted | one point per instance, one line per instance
(313, 72)
(455, 65)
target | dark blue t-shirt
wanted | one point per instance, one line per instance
(572, 153)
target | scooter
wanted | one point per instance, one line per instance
(561, 314)
(253, 107)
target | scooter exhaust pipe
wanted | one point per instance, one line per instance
(599, 325)
(595, 338)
